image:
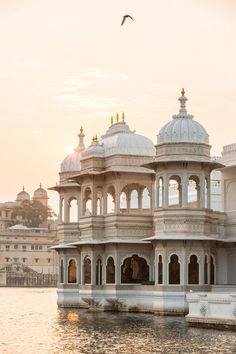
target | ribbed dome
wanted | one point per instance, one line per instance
(183, 129)
(72, 161)
(40, 193)
(23, 195)
(119, 139)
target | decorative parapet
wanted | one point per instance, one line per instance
(212, 308)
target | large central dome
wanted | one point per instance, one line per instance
(182, 128)
(120, 140)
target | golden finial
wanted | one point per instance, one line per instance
(117, 117)
(182, 92)
(111, 120)
(96, 138)
(93, 138)
(81, 130)
(123, 117)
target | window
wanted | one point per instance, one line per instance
(23, 260)
(15, 259)
(36, 260)
(40, 247)
(36, 247)
(7, 259)
(24, 247)
(32, 247)
(15, 247)
(7, 247)
(49, 260)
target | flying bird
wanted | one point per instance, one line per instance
(125, 17)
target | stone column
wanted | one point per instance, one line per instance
(66, 209)
(61, 200)
(166, 190)
(184, 190)
(104, 193)
(140, 200)
(117, 199)
(165, 268)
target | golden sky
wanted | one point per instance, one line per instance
(67, 63)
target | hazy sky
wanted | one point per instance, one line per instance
(67, 63)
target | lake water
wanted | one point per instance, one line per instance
(32, 323)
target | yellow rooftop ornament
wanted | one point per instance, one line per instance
(117, 117)
(123, 117)
(111, 120)
(81, 130)
(182, 92)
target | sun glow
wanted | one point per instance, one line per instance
(69, 150)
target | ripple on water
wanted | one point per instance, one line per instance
(32, 323)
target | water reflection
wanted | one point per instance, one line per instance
(32, 323)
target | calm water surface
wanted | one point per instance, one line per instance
(32, 323)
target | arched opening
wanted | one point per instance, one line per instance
(99, 272)
(193, 270)
(134, 199)
(146, 200)
(72, 271)
(111, 200)
(160, 193)
(193, 192)
(87, 270)
(123, 202)
(160, 270)
(73, 209)
(212, 271)
(99, 201)
(62, 271)
(174, 270)
(174, 196)
(205, 270)
(134, 270)
(87, 205)
(110, 271)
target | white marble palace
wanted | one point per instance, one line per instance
(138, 229)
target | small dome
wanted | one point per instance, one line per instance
(182, 128)
(40, 193)
(120, 140)
(72, 162)
(23, 195)
(95, 149)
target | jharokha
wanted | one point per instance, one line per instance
(147, 227)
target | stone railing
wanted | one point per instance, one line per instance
(212, 308)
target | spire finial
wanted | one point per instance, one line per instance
(81, 130)
(117, 117)
(123, 117)
(183, 99)
(23, 188)
(81, 136)
(182, 92)
(40, 185)
(111, 120)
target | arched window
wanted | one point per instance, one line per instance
(110, 271)
(62, 271)
(146, 201)
(134, 270)
(99, 272)
(174, 191)
(123, 201)
(160, 192)
(174, 270)
(193, 270)
(73, 210)
(212, 271)
(87, 202)
(87, 270)
(72, 271)
(205, 270)
(134, 199)
(193, 192)
(160, 270)
(111, 200)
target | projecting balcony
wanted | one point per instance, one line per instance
(189, 222)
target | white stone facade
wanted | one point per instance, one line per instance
(137, 229)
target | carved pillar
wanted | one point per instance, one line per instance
(157, 192)
(208, 192)
(166, 191)
(140, 206)
(61, 200)
(104, 193)
(79, 206)
(94, 200)
(152, 196)
(117, 199)
(66, 209)
(128, 201)
(184, 190)
(165, 268)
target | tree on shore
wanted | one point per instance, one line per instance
(31, 213)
